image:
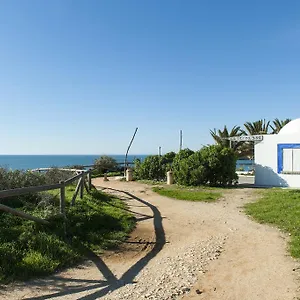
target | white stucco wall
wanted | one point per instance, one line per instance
(266, 157)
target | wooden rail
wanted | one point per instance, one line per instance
(22, 214)
(27, 190)
(81, 185)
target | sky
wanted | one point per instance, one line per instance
(77, 77)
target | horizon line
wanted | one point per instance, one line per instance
(75, 154)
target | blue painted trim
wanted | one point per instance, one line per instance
(280, 148)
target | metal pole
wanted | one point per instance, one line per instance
(180, 141)
(125, 161)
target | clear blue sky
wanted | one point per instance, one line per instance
(79, 76)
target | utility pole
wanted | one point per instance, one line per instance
(180, 140)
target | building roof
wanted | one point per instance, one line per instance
(291, 128)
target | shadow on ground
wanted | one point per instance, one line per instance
(99, 288)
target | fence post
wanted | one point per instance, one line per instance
(105, 177)
(76, 192)
(63, 204)
(170, 178)
(82, 185)
(89, 179)
(62, 198)
(129, 174)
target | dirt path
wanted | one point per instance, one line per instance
(180, 250)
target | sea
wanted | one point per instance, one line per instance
(28, 162)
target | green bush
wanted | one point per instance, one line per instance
(14, 179)
(154, 167)
(54, 175)
(105, 163)
(11, 179)
(177, 165)
(212, 165)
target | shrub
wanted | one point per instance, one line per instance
(154, 167)
(176, 166)
(54, 175)
(14, 179)
(11, 179)
(213, 165)
(105, 163)
(151, 168)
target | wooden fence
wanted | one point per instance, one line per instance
(84, 182)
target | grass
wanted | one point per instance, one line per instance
(28, 249)
(280, 208)
(189, 194)
(151, 182)
(109, 174)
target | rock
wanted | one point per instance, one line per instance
(199, 292)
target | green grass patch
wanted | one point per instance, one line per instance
(189, 194)
(151, 182)
(280, 208)
(109, 174)
(27, 249)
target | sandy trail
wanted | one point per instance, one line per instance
(179, 250)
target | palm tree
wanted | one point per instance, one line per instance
(278, 125)
(221, 137)
(257, 127)
(253, 128)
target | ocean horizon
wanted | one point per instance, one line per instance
(30, 161)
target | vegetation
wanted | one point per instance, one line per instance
(280, 208)
(154, 167)
(278, 125)
(257, 127)
(180, 156)
(187, 194)
(211, 165)
(15, 179)
(27, 249)
(105, 163)
(221, 137)
(245, 149)
(96, 174)
(150, 182)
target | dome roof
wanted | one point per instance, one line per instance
(292, 127)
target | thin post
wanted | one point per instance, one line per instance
(86, 187)
(125, 161)
(62, 203)
(180, 140)
(76, 192)
(89, 179)
(82, 185)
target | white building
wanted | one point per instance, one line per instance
(277, 158)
